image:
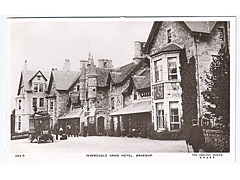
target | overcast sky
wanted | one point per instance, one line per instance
(47, 43)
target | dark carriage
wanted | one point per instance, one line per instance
(39, 128)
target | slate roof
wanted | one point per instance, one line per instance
(75, 113)
(142, 82)
(170, 47)
(134, 108)
(200, 26)
(125, 71)
(64, 79)
(92, 69)
(26, 78)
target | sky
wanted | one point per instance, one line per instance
(46, 43)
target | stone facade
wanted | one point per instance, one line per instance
(203, 45)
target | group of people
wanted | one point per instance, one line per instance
(68, 131)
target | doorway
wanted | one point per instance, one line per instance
(100, 126)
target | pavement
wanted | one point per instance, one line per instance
(99, 144)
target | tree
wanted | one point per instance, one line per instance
(189, 88)
(217, 94)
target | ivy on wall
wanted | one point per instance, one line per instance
(189, 87)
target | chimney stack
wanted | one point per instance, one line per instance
(139, 51)
(25, 66)
(67, 65)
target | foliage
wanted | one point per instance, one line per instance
(217, 93)
(189, 88)
(168, 135)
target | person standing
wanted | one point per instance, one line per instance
(85, 129)
(56, 131)
(195, 137)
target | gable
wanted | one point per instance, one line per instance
(39, 73)
(159, 31)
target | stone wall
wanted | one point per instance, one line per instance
(206, 48)
(62, 100)
(216, 141)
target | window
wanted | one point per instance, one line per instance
(160, 115)
(34, 102)
(112, 103)
(169, 36)
(135, 96)
(51, 104)
(104, 64)
(40, 87)
(38, 77)
(174, 117)
(41, 102)
(35, 88)
(19, 123)
(220, 34)
(158, 70)
(20, 104)
(78, 87)
(172, 68)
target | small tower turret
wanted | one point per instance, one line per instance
(92, 81)
(82, 80)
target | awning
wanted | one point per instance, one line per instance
(76, 113)
(134, 108)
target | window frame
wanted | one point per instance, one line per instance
(51, 104)
(169, 35)
(35, 87)
(19, 104)
(112, 103)
(19, 123)
(78, 87)
(34, 98)
(171, 74)
(158, 70)
(41, 104)
(160, 117)
(172, 117)
(220, 30)
(39, 88)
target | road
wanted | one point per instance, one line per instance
(99, 144)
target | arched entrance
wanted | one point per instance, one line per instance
(100, 124)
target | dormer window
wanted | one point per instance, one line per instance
(169, 36)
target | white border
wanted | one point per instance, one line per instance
(158, 157)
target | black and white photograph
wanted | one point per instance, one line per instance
(112, 89)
